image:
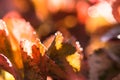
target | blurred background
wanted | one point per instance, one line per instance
(79, 18)
(74, 17)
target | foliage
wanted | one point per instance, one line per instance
(26, 58)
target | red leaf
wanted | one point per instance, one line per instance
(7, 65)
(34, 62)
(8, 46)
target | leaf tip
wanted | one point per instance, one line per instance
(3, 26)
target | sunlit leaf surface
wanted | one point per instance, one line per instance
(33, 60)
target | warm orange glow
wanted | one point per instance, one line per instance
(118, 10)
(49, 78)
(70, 21)
(39, 39)
(63, 5)
(102, 9)
(54, 5)
(99, 15)
(41, 9)
(68, 5)
(82, 8)
(93, 24)
(21, 5)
